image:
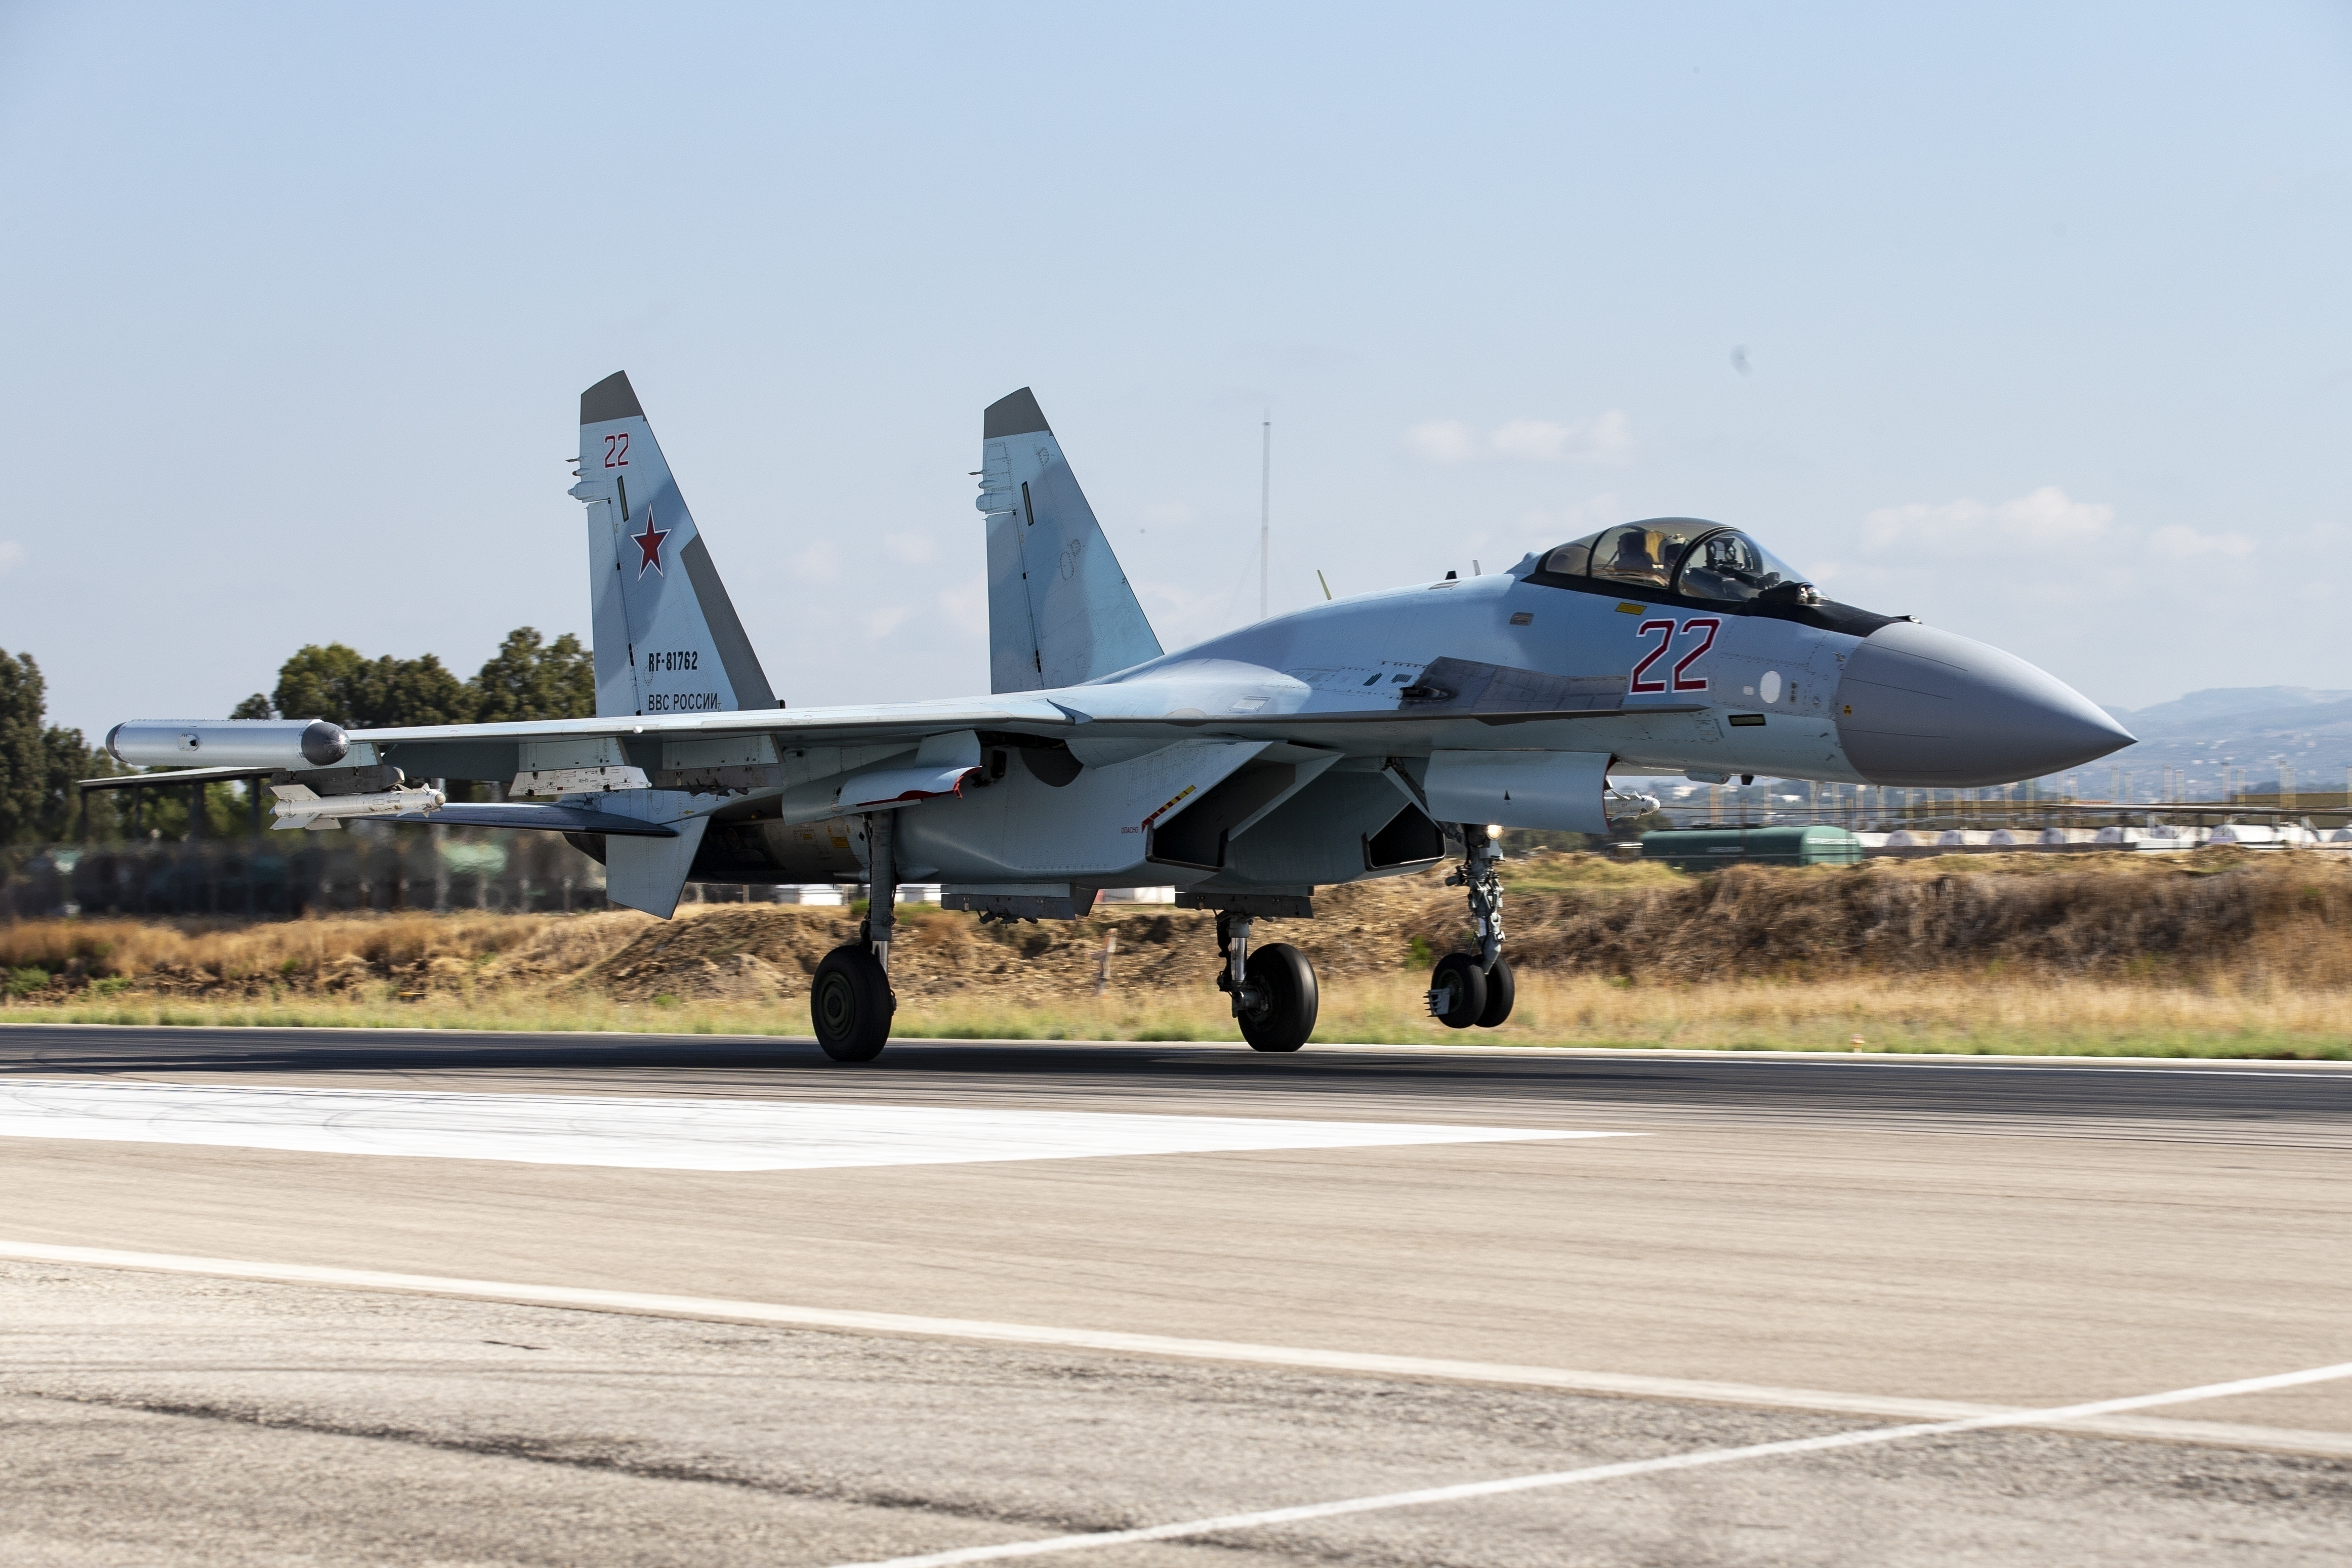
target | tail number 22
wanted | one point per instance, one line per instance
(1704, 627)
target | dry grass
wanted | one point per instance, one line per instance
(2213, 954)
(2087, 1018)
(220, 958)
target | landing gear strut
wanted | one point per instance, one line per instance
(1475, 988)
(850, 1001)
(1274, 991)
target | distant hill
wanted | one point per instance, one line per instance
(2250, 727)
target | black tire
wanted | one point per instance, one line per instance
(1460, 986)
(1284, 982)
(1501, 992)
(850, 1005)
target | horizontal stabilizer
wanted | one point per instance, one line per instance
(642, 872)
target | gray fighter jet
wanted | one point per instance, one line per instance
(1367, 737)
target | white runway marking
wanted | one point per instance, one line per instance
(671, 1133)
(1627, 1384)
(1706, 1457)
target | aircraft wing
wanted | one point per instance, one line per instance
(1452, 702)
(1407, 723)
(498, 751)
(174, 776)
(800, 726)
(847, 726)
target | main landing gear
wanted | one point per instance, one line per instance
(1274, 991)
(850, 1001)
(1469, 989)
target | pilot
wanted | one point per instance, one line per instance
(1634, 558)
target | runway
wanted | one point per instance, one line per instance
(1128, 1287)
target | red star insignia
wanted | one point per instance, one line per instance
(650, 542)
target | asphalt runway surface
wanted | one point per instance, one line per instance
(313, 1297)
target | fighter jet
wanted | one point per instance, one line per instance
(1371, 736)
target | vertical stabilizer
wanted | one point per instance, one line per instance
(1059, 607)
(666, 637)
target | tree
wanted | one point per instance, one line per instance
(24, 749)
(39, 762)
(527, 678)
(419, 690)
(329, 682)
(338, 684)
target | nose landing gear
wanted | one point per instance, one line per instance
(1475, 989)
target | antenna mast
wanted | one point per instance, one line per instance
(1265, 510)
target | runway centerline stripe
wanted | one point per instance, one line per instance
(668, 1132)
(836, 1319)
(1869, 1437)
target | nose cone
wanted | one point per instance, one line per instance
(1920, 707)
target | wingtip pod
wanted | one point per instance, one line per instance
(1015, 413)
(227, 742)
(611, 398)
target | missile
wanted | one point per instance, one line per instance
(1623, 804)
(299, 806)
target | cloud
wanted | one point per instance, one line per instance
(1572, 521)
(2185, 543)
(1444, 441)
(817, 562)
(2131, 609)
(966, 608)
(2045, 518)
(1603, 438)
(1536, 440)
(11, 552)
(914, 548)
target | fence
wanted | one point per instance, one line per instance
(268, 877)
(1885, 809)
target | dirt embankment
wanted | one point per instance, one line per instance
(2216, 916)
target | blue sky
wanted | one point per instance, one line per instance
(2045, 315)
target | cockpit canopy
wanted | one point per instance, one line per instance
(1686, 556)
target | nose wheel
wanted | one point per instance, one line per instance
(1502, 991)
(1457, 991)
(1475, 990)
